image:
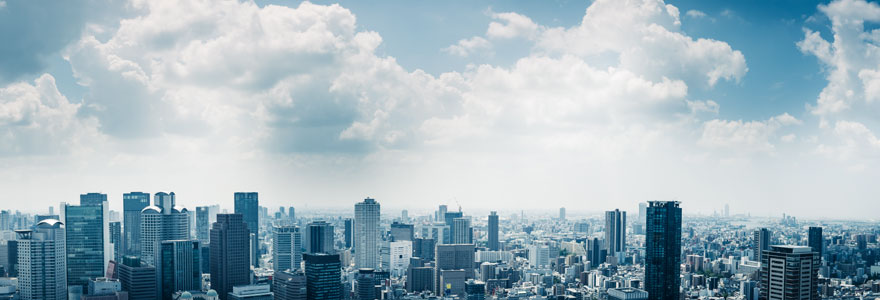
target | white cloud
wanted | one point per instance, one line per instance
(745, 137)
(696, 14)
(466, 47)
(512, 25)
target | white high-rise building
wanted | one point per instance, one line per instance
(162, 222)
(401, 252)
(366, 234)
(539, 256)
(42, 262)
(287, 248)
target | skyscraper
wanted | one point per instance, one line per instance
(366, 233)
(286, 248)
(88, 238)
(230, 265)
(132, 205)
(348, 232)
(139, 280)
(248, 206)
(562, 213)
(595, 252)
(816, 241)
(449, 220)
(643, 209)
(319, 237)
(366, 284)
(615, 231)
(42, 261)
(289, 285)
(203, 224)
(794, 272)
(180, 267)
(493, 232)
(760, 242)
(663, 250)
(453, 257)
(402, 232)
(461, 228)
(323, 276)
(116, 240)
(441, 213)
(163, 221)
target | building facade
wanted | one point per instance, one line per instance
(663, 250)
(230, 263)
(366, 233)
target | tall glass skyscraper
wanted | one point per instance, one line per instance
(663, 250)
(132, 205)
(615, 231)
(493, 232)
(116, 240)
(162, 222)
(42, 262)
(366, 234)
(816, 241)
(203, 224)
(323, 276)
(180, 267)
(88, 239)
(230, 266)
(248, 206)
(760, 242)
(319, 237)
(348, 232)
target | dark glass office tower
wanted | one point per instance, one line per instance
(230, 265)
(88, 239)
(816, 241)
(402, 232)
(449, 220)
(319, 237)
(116, 240)
(493, 232)
(663, 250)
(323, 276)
(248, 206)
(760, 242)
(132, 205)
(203, 224)
(615, 232)
(348, 231)
(139, 280)
(181, 270)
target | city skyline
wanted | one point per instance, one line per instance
(765, 107)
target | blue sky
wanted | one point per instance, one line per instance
(592, 105)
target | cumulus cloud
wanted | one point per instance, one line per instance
(512, 25)
(696, 14)
(466, 47)
(745, 137)
(36, 119)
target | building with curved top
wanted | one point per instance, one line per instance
(42, 261)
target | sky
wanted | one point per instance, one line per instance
(768, 106)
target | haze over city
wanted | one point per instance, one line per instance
(767, 107)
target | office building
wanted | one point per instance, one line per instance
(251, 292)
(789, 273)
(289, 285)
(539, 256)
(286, 248)
(615, 232)
(347, 235)
(816, 241)
(475, 290)
(42, 262)
(423, 248)
(453, 257)
(562, 213)
(627, 294)
(449, 221)
(319, 237)
(366, 284)
(164, 221)
(230, 264)
(462, 231)
(400, 253)
(323, 276)
(749, 290)
(643, 209)
(203, 224)
(132, 204)
(493, 232)
(402, 232)
(419, 279)
(366, 234)
(760, 243)
(88, 239)
(180, 267)
(139, 280)
(116, 240)
(663, 250)
(248, 206)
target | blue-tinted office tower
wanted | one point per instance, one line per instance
(88, 239)
(139, 280)
(323, 276)
(248, 206)
(230, 266)
(663, 250)
(132, 205)
(816, 240)
(180, 268)
(203, 224)
(348, 232)
(116, 240)
(319, 237)
(493, 232)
